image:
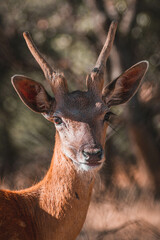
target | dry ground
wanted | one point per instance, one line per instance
(122, 218)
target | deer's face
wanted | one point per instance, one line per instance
(81, 124)
(80, 117)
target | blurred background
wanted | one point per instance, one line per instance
(70, 33)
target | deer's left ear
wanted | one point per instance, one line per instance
(32, 93)
(125, 86)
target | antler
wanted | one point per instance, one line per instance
(96, 79)
(57, 81)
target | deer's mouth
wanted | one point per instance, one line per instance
(90, 164)
(93, 163)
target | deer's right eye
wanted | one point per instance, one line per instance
(107, 116)
(57, 120)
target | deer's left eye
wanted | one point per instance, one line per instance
(57, 120)
(107, 116)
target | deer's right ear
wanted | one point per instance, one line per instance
(123, 88)
(32, 94)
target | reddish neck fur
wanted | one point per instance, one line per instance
(63, 197)
(64, 183)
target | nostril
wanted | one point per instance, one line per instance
(85, 154)
(99, 153)
(93, 153)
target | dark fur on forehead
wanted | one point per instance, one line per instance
(80, 100)
(83, 97)
(77, 94)
(80, 106)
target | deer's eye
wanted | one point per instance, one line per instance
(107, 116)
(57, 120)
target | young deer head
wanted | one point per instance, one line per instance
(80, 117)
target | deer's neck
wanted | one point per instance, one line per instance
(65, 192)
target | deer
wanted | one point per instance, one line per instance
(55, 208)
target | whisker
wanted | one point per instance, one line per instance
(114, 130)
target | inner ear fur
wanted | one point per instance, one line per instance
(125, 86)
(32, 93)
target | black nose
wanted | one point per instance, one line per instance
(94, 153)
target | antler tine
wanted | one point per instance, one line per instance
(48, 71)
(100, 64)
